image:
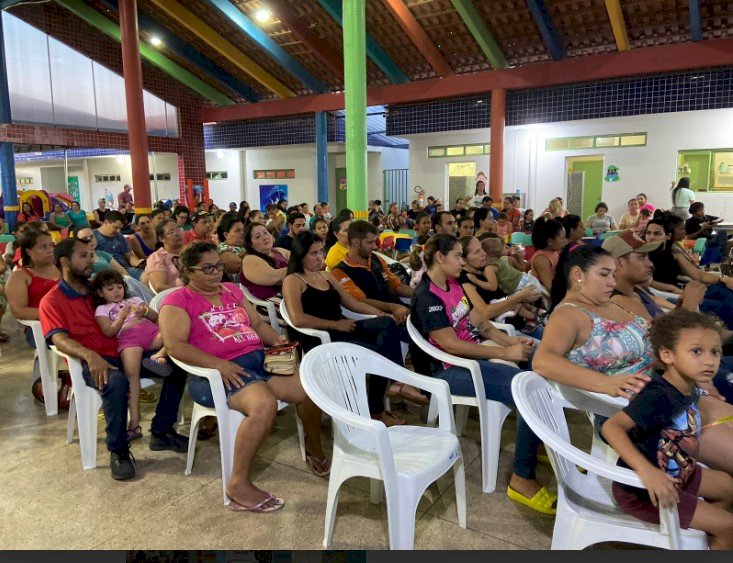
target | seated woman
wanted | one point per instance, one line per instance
(548, 238)
(58, 220)
(601, 222)
(161, 272)
(210, 324)
(144, 240)
(77, 215)
(231, 248)
(263, 267)
(319, 226)
(672, 260)
(27, 214)
(29, 283)
(103, 260)
(314, 299)
(442, 312)
(591, 343)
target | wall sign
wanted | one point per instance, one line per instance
(285, 173)
(272, 193)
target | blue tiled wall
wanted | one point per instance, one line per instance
(661, 93)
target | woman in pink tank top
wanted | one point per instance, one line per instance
(548, 238)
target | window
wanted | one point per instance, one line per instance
(707, 169)
(161, 177)
(274, 174)
(217, 175)
(23, 180)
(458, 150)
(601, 141)
(107, 178)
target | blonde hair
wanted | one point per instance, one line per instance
(555, 207)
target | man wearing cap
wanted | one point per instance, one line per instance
(124, 197)
(633, 274)
(201, 229)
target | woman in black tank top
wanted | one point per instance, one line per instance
(314, 298)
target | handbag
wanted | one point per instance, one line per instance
(282, 360)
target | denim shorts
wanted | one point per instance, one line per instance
(254, 366)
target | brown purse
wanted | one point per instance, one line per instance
(282, 360)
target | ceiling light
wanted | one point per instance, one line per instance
(155, 41)
(262, 16)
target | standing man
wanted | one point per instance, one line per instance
(124, 197)
(296, 225)
(67, 319)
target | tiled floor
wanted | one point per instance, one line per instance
(50, 502)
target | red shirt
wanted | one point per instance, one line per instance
(65, 311)
(514, 216)
(190, 236)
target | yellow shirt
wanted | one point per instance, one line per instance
(335, 255)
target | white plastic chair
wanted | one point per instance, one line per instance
(491, 413)
(322, 335)
(228, 421)
(48, 364)
(150, 285)
(157, 300)
(269, 306)
(406, 458)
(586, 511)
(83, 407)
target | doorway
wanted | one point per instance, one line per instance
(583, 196)
(461, 181)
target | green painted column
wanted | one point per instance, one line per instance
(355, 97)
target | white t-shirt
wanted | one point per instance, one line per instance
(685, 197)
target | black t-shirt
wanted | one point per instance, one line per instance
(667, 428)
(666, 268)
(485, 294)
(285, 241)
(692, 225)
(459, 214)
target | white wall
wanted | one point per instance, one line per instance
(529, 168)
(231, 189)
(302, 188)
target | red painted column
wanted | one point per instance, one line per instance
(135, 108)
(496, 166)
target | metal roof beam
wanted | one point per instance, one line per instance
(175, 44)
(298, 28)
(616, 16)
(212, 38)
(638, 62)
(548, 32)
(374, 51)
(417, 35)
(695, 23)
(95, 19)
(476, 25)
(271, 47)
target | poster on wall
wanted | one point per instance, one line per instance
(272, 193)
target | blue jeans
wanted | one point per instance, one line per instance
(253, 363)
(114, 401)
(136, 273)
(498, 386)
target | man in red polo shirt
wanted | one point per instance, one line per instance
(202, 227)
(68, 322)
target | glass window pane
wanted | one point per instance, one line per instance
(487, 149)
(557, 144)
(606, 141)
(109, 89)
(171, 120)
(73, 87)
(723, 171)
(154, 114)
(454, 151)
(581, 143)
(436, 152)
(633, 140)
(29, 80)
(474, 149)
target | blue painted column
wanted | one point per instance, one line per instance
(7, 160)
(322, 155)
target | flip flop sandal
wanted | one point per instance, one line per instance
(319, 467)
(161, 369)
(397, 391)
(270, 504)
(147, 396)
(134, 433)
(544, 501)
(389, 419)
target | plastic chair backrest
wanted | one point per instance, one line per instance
(157, 300)
(588, 401)
(7, 238)
(388, 242)
(403, 244)
(387, 259)
(320, 334)
(542, 409)
(700, 245)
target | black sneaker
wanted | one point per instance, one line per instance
(169, 440)
(121, 463)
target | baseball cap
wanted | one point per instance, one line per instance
(628, 242)
(200, 215)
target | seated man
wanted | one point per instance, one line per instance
(67, 320)
(296, 225)
(202, 228)
(111, 241)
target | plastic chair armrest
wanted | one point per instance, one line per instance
(509, 329)
(355, 316)
(438, 388)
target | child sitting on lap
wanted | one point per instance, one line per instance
(134, 325)
(658, 433)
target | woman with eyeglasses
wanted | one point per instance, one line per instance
(314, 299)
(104, 260)
(161, 270)
(38, 275)
(209, 323)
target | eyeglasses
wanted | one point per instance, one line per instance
(209, 269)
